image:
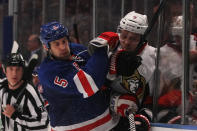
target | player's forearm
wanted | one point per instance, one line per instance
(97, 66)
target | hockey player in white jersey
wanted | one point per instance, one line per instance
(130, 73)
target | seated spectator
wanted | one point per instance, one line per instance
(35, 47)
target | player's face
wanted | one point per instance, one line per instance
(60, 48)
(129, 40)
(14, 74)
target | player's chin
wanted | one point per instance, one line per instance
(63, 57)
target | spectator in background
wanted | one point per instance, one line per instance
(172, 71)
(35, 47)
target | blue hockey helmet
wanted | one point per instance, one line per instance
(52, 31)
(14, 59)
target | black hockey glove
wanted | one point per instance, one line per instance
(127, 63)
(142, 123)
(28, 70)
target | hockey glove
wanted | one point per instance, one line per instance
(113, 65)
(127, 63)
(141, 123)
(120, 104)
(106, 39)
(28, 70)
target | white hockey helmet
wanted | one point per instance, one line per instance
(134, 22)
(177, 26)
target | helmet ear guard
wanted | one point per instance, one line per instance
(134, 22)
(52, 31)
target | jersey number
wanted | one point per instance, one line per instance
(60, 82)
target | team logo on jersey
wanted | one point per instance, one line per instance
(77, 58)
(134, 83)
(60, 82)
(55, 27)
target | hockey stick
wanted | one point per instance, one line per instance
(76, 32)
(131, 122)
(15, 47)
(151, 25)
(130, 115)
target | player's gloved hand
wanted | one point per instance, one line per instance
(141, 123)
(106, 39)
(113, 65)
(28, 70)
(127, 63)
(120, 104)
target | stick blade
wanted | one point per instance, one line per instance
(15, 47)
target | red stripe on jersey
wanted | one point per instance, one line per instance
(122, 108)
(128, 97)
(92, 125)
(85, 84)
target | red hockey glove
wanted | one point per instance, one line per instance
(120, 104)
(106, 39)
(113, 65)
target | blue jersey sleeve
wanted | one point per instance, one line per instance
(73, 79)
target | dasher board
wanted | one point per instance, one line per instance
(172, 127)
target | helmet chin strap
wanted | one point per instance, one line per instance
(15, 85)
